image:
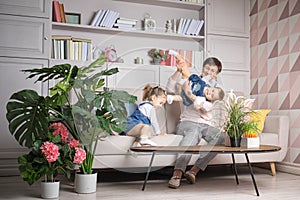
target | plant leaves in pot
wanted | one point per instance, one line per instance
(91, 112)
(238, 120)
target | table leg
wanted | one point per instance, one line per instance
(148, 171)
(252, 175)
(234, 168)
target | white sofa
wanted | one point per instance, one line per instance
(113, 151)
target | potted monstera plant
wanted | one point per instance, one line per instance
(79, 100)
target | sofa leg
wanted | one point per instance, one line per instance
(273, 169)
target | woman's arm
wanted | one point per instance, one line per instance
(174, 78)
(171, 84)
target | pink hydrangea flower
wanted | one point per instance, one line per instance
(73, 143)
(50, 151)
(60, 129)
(80, 155)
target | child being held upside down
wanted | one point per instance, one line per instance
(205, 95)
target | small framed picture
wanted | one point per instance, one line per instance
(73, 18)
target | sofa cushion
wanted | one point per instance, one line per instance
(259, 116)
(121, 144)
(168, 140)
(269, 138)
(172, 115)
(114, 145)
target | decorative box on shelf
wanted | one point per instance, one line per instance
(250, 142)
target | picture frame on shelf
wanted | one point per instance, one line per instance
(73, 18)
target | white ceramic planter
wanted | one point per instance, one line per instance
(86, 183)
(250, 142)
(50, 190)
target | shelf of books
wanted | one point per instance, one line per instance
(66, 47)
(141, 33)
(188, 4)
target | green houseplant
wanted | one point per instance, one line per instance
(50, 154)
(92, 112)
(237, 117)
(157, 55)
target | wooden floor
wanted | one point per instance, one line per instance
(217, 182)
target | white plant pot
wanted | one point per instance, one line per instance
(50, 190)
(86, 183)
(250, 142)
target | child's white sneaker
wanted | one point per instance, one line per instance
(146, 141)
(170, 99)
(136, 144)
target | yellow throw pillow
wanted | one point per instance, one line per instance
(259, 116)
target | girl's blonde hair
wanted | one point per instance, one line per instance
(149, 91)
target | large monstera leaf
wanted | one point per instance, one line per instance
(28, 117)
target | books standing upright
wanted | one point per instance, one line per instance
(62, 12)
(56, 12)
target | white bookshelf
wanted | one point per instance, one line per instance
(141, 33)
(169, 3)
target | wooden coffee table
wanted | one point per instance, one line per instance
(203, 149)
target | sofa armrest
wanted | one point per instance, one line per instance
(278, 124)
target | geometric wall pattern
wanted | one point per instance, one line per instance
(275, 63)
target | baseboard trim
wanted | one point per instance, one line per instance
(288, 168)
(9, 161)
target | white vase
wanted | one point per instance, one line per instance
(250, 142)
(156, 61)
(50, 190)
(86, 183)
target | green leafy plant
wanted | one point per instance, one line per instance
(90, 112)
(51, 154)
(237, 113)
(157, 54)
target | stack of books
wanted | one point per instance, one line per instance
(190, 26)
(58, 14)
(70, 48)
(125, 23)
(194, 58)
(105, 18)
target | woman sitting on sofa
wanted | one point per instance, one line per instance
(193, 126)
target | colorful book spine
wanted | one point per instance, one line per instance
(56, 12)
(62, 12)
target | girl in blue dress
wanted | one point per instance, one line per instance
(142, 123)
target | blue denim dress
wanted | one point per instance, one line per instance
(197, 89)
(137, 117)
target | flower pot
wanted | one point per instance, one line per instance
(162, 62)
(235, 141)
(250, 142)
(85, 183)
(156, 61)
(50, 190)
